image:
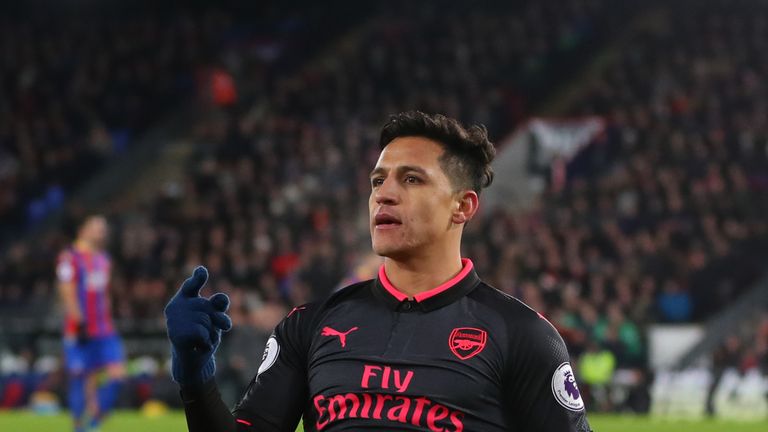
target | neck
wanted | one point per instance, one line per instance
(419, 274)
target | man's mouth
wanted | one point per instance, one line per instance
(384, 220)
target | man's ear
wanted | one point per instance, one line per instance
(468, 203)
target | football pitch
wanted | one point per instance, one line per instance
(127, 421)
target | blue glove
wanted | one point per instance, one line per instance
(194, 326)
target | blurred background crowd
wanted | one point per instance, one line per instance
(660, 219)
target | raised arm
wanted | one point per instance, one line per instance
(194, 326)
(274, 401)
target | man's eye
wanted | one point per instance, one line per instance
(377, 182)
(412, 179)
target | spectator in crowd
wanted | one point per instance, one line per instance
(726, 356)
(596, 367)
(674, 303)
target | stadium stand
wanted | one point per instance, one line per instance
(252, 161)
(197, 43)
(78, 91)
(660, 219)
(263, 199)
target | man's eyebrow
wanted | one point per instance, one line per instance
(378, 170)
(406, 168)
(400, 169)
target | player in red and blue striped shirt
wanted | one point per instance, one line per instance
(91, 345)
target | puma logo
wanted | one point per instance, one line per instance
(327, 331)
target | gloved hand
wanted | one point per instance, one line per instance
(82, 333)
(194, 326)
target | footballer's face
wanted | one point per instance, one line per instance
(95, 231)
(413, 205)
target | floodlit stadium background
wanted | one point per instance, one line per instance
(630, 205)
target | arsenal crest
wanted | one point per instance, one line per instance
(467, 342)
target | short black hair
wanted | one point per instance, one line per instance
(468, 152)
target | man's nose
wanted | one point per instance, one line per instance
(387, 193)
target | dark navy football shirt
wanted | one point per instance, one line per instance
(460, 357)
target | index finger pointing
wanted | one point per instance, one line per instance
(192, 286)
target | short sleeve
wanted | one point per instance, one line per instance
(65, 268)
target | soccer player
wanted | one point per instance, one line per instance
(91, 346)
(425, 346)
